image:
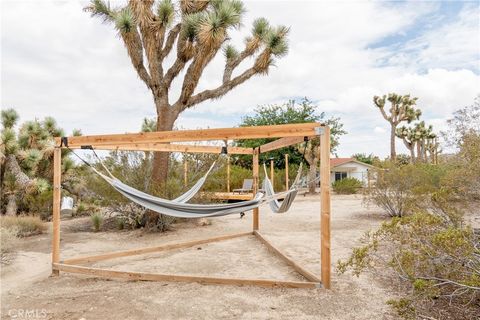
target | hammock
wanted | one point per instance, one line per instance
(283, 206)
(187, 210)
(179, 207)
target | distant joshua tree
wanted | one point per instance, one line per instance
(402, 109)
(193, 33)
(26, 159)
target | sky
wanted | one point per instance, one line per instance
(58, 61)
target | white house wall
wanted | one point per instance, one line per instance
(353, 169)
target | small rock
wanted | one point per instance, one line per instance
(203, 222)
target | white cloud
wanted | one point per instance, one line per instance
(66, 64)
(379, 130)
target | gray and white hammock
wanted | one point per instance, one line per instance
(179, 207)
(283, 206)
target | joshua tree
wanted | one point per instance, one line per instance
(409, 139)
(26, 159)
(402, 109)
(432, 146)
(422, 133)
(192, 34)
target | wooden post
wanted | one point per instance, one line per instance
(185, 172)
(57, 176)
(256, 211)
(228, 173)
(325, 206)
(286, 171)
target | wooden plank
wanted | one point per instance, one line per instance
(165, 247)
(57, 177)
(325, 206)
(286, 172)
(256, 211)
(227, 195)
(164, 147)
(281, 143)
(272, 175)
(307, 274)
(275, 131)
(143, 276)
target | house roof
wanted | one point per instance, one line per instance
(335, 162)
(338, 161)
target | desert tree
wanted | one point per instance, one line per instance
(402, 109)
(408, 137)
(294, 112)
(26, 157)
(192, 33)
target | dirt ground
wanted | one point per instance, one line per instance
(26, 285)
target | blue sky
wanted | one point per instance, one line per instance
(58, 61)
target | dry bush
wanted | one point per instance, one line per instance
(9, 241)
(400, 190)
(24, 226)
(435, 261)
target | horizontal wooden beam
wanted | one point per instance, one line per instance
(227, 195)
(170, 148)
(280, 143)
(126, 253)
(274, 131)
(307, 274)
(143, 276)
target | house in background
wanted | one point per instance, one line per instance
(341, 168)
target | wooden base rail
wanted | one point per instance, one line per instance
(307, 274)
(73, 266)
(143, 276)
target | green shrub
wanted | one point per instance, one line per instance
(120, 223)
(346, 186)
(24, 226)
(81, 208)
(97, 220)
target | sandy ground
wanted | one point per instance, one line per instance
(26, 284)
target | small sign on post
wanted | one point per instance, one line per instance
(67, 206)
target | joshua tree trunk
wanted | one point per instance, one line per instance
(11, 209)
(22, 181)
(419, 152)
(393, 153)
(166, 117)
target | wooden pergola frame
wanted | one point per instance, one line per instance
(288, 134)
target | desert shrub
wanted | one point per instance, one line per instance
(97, 220)
(23, 226)
(8, 237)
(81, 208)
(403, 189)
(120, 223)
(435, 261)
(346, 186)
